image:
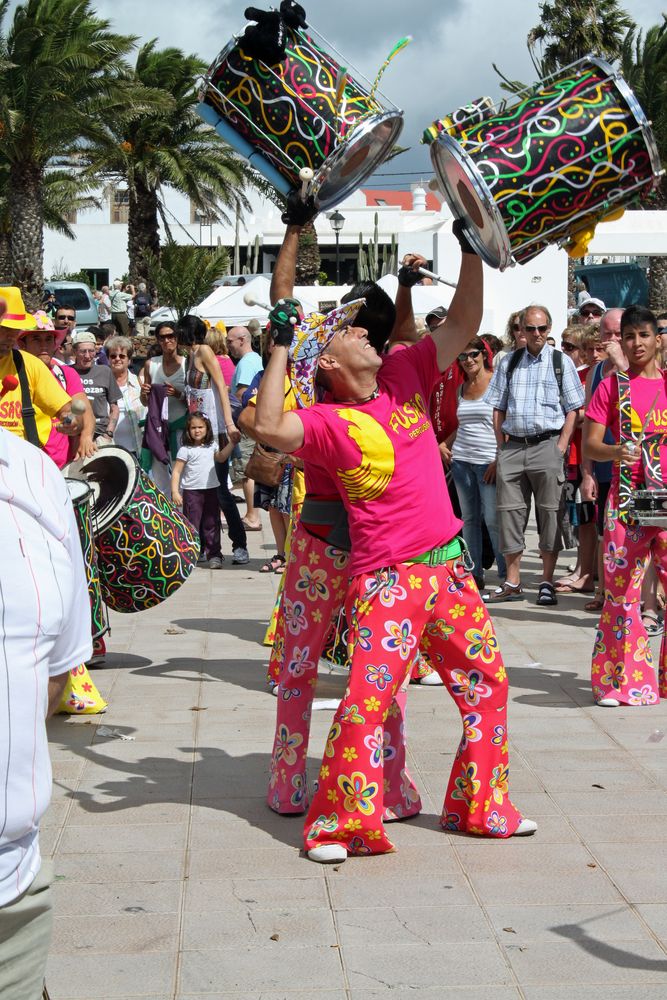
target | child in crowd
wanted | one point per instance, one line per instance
(194, 484)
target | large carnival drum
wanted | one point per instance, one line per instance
(81, 496)
(572, 151)
(146, 549)
(306, 111)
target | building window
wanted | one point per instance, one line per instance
(120, 206)
(197, 217)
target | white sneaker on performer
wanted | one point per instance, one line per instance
(609, 702)
(525, 828)
(430, 680)
(328, 854)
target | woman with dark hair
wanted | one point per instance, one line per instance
(474, 456)
(167, 368)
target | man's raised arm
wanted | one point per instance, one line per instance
(279, 429)
(295, 217)
(465, 312)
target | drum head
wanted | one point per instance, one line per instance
(112, 475)
(79, 491)
(357, 158)
(470, 200)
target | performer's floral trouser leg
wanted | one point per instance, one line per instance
(622, 666)
(407, 600)
(315, 586)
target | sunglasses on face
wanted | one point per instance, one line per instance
(568, 347)
(662, 329)
(516, 327)
(536, 329)
(113, 356)
(167, 336)
(591, 312)
(469, 354)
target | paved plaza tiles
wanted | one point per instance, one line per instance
(174, 881)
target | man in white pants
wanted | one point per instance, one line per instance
(44, 629)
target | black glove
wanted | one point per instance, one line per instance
(293, 14)
(298, 212)
(458, 228)
(407, 276)
(282, 330)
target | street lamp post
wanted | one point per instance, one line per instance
(337, 221)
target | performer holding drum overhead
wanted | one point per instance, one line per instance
(633, 405)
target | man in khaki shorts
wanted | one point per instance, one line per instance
(535, 395)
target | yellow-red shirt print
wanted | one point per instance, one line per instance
(368, 480)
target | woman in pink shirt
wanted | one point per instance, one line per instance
(216, 339)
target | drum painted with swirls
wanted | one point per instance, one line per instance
(306, 111)
(571, 151)
(146, 549)
(81, 496)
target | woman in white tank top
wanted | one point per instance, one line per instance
(474, 457)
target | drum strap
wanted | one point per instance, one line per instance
(650, 447)
(27, 409)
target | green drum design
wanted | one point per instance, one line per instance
(306, 111)
(81, 496)
(146, 549)
(572, 151)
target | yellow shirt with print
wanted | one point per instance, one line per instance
(48, 396)
(298, 481)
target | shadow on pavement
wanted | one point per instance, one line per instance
(572, 691)
(215, 780)
(618, 957)
(249, 629)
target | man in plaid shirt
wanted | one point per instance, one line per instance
(534, 419)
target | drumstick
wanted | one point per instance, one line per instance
(435, 277)
(305, 176)
(250, 300)
(76, 409)
(9, 383)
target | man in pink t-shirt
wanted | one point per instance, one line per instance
(409, 579)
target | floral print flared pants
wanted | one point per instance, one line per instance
(316, 581)
(622, 666)
(390, 612)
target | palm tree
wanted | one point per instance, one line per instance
(644, 64)
(168, 146)
(59, 80)
(570, 29)
(63, 193)
(185, 274)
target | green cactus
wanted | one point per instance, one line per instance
(374, 263)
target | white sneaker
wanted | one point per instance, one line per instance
(328, 854)
(240, 557)
(215, 563)
(525, 828)
(609, 702)
(431, 680)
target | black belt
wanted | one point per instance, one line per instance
(534, 438)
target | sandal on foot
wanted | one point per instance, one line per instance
(273, 565)
(654, 626)
(507, 592)
(249, 526)
(596, 604)
(546, 595)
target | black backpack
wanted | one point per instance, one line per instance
(556, 360)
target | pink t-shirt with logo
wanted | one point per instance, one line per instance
(59, 447)
(603, 409)
(385, 462)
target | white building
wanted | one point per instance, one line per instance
(417, 220)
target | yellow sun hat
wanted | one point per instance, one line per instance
(12, 310)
